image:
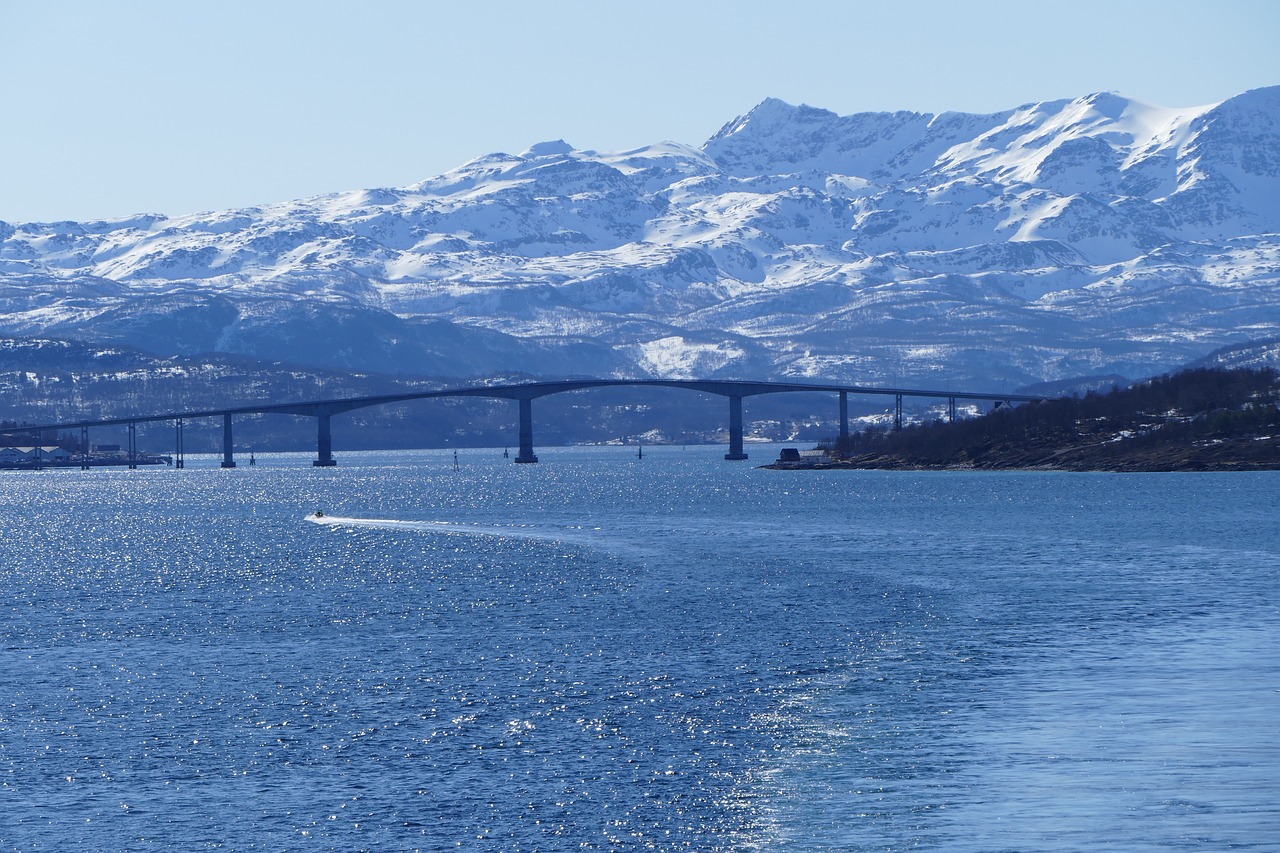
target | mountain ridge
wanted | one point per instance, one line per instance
(1081, 236)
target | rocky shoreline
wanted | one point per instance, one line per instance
(1193, 459)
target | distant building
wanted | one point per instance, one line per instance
(26, 453)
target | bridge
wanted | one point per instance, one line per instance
(524, 394)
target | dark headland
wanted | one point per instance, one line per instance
(1196, 420)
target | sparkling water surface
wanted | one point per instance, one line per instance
(605, 653)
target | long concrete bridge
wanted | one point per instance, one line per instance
(524, 394)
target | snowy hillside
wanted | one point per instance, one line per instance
(1053, 240)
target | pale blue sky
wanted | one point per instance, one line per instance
(175, 107)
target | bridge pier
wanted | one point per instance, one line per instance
(735, 429)
(324, 442)
(133, 447)
(897, 411)
(844, 415)
(84, 448)
(228, 458)
(179, 445)
(951, 409)
(526, 432)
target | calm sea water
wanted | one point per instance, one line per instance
(604, 653)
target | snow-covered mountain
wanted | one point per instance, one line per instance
(1057, 239)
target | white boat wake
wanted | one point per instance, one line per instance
(504, 531)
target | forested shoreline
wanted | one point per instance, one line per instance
(1196, 420)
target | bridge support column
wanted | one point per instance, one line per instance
(897, 411)
(324, 442)
(735, 430)
(951, 409)
(526, 432)
(84, 448)
(133, 447)
(179, 445)
(844, 415)
(228, 458)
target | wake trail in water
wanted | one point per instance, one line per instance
(453, 528)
